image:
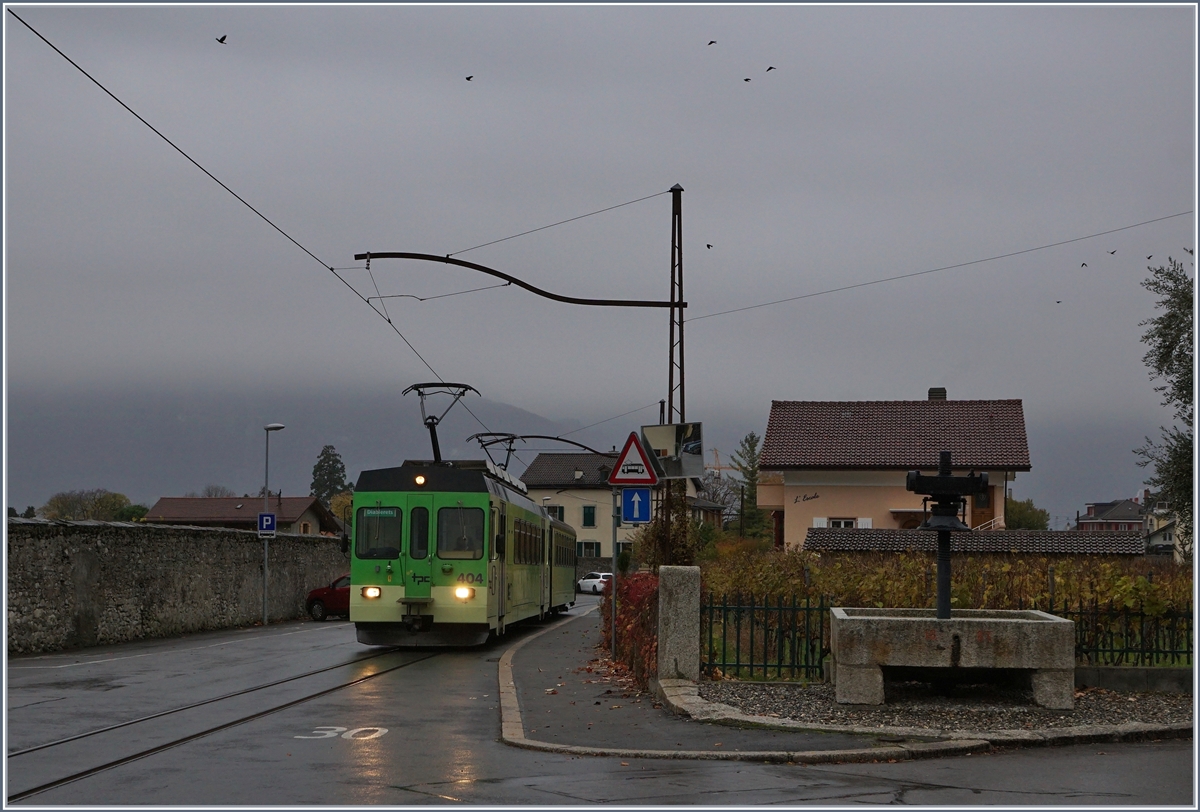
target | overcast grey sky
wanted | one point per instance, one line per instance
(888, 140)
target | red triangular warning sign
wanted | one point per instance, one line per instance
(633, 466)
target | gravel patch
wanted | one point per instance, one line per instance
(965, 707)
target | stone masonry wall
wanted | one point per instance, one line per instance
(76, 584)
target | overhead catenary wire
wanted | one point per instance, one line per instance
(559, 223)
(935, 270)
(242, 200)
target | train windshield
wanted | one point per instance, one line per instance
(460, 532)
(377, 532)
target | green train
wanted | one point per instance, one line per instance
(451, 552)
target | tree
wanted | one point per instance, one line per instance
(1024, 515)
(30, 512)
(716, 488)
(211, 492)
(131, 513)
(97, 504)
(1170, 357)
(341, 503)
(329, 476)
(752, 522)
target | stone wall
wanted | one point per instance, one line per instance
(75, 584)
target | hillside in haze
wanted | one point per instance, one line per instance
(148, 444)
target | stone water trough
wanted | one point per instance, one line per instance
(973, 644)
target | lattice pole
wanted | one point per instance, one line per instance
(675, 382)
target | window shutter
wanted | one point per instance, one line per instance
(819, 521)
(866, 523)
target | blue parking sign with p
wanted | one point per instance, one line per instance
(635, 505)
(266, 524)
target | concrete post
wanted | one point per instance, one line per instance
(679, 623)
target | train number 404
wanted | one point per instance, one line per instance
(470, 578)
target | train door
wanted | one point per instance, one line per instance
(499, 580)
(420, 555)
(547, 563)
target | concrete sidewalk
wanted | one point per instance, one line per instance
(551, 701)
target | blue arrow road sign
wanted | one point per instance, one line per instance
(635, 505)
(266, 524)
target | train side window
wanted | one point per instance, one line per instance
(377, 532)
(418, 533)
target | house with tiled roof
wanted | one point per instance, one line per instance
(304, 515)
(574, 488)
(842, 464)
(1120, 514)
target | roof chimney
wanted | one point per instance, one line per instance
(937, 393)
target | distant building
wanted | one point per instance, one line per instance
(1152, 517)
(1122, 514)
(573, 487)
(842, 464)
(303, 515)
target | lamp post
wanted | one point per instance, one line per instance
(270, 427)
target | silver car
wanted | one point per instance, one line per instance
(593, 582)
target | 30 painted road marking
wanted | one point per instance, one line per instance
(331, 732)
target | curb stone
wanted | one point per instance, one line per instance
(682, 697)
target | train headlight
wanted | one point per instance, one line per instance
(420, 480)
(370, 592)
(464, 593)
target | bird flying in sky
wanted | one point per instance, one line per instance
(708, 244)
(745, 80)
(1150, 256)
(221, 39)
(770, 69)
(469, 78)
(1084, 265)
(1113, 251)
(712, 42)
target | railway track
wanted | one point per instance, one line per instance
(51, 749)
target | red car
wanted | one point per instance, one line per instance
(330, 600)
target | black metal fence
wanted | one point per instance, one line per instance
(1111, 635)
(750, 639)
(774, 638)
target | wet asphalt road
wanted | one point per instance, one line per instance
(427, 731)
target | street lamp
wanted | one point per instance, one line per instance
(270, 427)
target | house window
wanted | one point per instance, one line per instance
(305, 529)
(983, 501)
(555, 511)
(622, 546)
(589, 515)
(587, 549)
(841, 523)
